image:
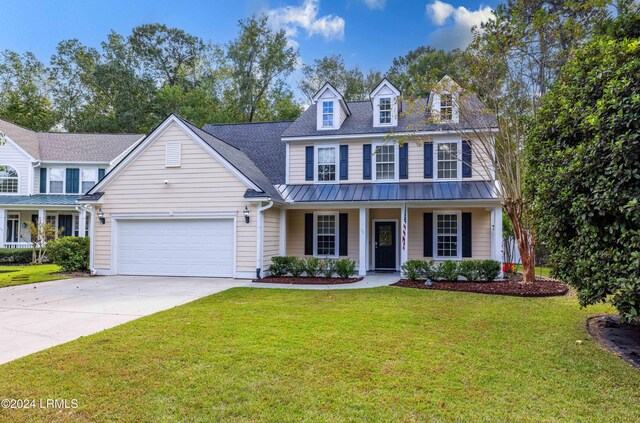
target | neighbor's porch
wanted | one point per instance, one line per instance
(382, 238)
(14, 228)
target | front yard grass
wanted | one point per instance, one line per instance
(384, 354)
(20, 275)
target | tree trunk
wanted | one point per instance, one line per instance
(524, 238)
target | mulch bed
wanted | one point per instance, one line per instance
(622, 340)
(303, 280)
(74, 274)
(512, 287)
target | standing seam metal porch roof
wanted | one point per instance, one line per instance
(403, 191)
(39, 200)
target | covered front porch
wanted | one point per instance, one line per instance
(381, 237)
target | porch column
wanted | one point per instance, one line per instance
(363, 238)
(42, 217)
(496, 234)
(283, 231)
(3, 226)
(82, 224)
(404, 235)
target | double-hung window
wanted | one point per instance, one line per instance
(326, 163)
(446, 107)
(447, 231)
(385, 158)
(89, 178)
(8, 180)
(327, 114)
(56, 180)
(326, 234)
(385, 110)
(447, 160)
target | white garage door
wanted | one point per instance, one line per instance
(202, 247)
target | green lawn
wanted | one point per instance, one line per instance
(540, 271)
(19, 275)
(384, 354)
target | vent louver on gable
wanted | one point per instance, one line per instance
(172, 154)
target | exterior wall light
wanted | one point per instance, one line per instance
(245, 212)
(101, 216)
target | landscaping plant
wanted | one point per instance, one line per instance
(297, 267)
(312, 265)
(280, 266)
(488, 270)
(71, 253)
(413, 269)
(469, 269)
(16, 255)
(327, 268)
(448, 270)
(345, 268)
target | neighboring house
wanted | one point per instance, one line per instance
(42, 174)
(223, 200)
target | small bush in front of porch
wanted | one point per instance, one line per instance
(71, 253)
(280, 266)
(297, 267)
(448, 270)
(489, 269)
(312, 266)
(470, 269)
(327, 268)
(15, 255)
(413, 269)
(345, 268)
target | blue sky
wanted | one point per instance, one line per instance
(368, 33)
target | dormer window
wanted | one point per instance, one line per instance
(327, 114)
(446, 107)
(385, 110)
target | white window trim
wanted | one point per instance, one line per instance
(333, 114)
(64, 179)
(337, 233)
(17, 181)
(435, 234)
(459, 161)
(82, 181)
(446, 107)
(315, 162)
(379, 109)
(374, 160)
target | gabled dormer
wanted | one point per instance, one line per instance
(444, 101)
(384, 100)
(331, 108)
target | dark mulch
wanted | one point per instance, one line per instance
(621, 339)
(541, 288)
(304, 280)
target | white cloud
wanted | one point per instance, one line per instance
(305, 16)
(375, 4)
(456, 22)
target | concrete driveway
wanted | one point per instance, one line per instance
(38, 316)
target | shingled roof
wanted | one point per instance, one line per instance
(67, 146)
(260, 141)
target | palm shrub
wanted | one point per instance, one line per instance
(488, 269)
(327, 268)
(297, 267)
(448, 270)
(312, 265)
(345, 268)
(280, 266)
(413, 269)
(71, 253)
(470, 269)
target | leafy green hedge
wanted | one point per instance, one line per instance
(312, 267)
(16, 255)
(71, 253)
(450, 270)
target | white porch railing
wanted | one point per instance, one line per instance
(17, 245)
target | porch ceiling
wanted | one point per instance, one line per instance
(38, 200)
(404, 191)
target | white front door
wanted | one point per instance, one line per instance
(175, 247)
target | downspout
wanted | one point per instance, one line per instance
(260, 238)
(81, 208)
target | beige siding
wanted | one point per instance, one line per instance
(297, 163)
(480, 232)
(271, 235)
(295, 232)
(200, 184)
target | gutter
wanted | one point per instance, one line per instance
(260, 237)
(81, 208)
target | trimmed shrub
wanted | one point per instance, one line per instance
(448, 270)
(312, 265)
(327, 268)
(297, 267)
(345, 267)
(71, 253)
(280, 266)
(413, 269)
(470, 269)
(429, 270)
(16, 255)
(488, 269)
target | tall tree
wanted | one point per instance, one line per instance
(259, 59)
(25, 90)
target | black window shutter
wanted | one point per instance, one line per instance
(428, 235)
(344, 234)
(308, 164)
(366, 161)
(100, 174)
(73, 181)
(308, 234)
(466, 159)
(344, 162)
(428, 160)
(43, 180)
(404, 161)
(466, 234)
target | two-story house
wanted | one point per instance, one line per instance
(42, 174)
(365, 180)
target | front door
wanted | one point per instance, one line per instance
(385, 245)
(13, 225)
